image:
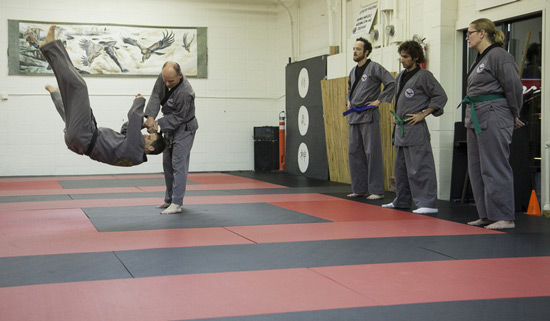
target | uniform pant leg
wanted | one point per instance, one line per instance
(58, 102)
(474, 171)
(421, 175)
(357, 160)
(373, 152)
(402, 188)
(168, 174)
(180, 164)
(74, 93)
(495, 171)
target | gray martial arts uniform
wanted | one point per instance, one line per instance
(366, 164)
(414, 163)
(82, 135)
(488, 152)
(179, 125)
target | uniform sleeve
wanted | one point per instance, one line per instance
(508, 77)
(389, 86)
(349, 86)
(124, 129)
(153, 106)
(57, 100)
(182, 104)
(438, 97)
(135, 117)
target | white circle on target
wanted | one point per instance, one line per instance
(303, 83)
(303, 120)
(303, 157)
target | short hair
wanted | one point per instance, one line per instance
(366, 44)
(496, 36)
(159, 144)
(173, 65)
(414, 49)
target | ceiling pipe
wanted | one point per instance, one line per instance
(292, 55)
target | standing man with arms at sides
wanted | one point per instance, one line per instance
(366, 165)
(418, 95)
(494, 99)
(173, 95)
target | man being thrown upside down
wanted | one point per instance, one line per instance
(82, 136)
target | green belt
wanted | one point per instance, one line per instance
(400, 122)
(478, 99)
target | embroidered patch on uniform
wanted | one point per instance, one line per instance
(364, 77)
(170, 102)
(480, 67)
(409, 93)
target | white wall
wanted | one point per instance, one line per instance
(249, 46)
(247, 54)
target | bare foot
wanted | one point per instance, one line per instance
(50, 36)
(480, 222)
(172, 209)
(425, 210)
(51, 88)
(500, 225)
(163, 205)
(356, 195)
(375, 196)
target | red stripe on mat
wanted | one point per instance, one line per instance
(140, 189)
(355, 230)
(214, 187)
(58, 178)
(339, 210)
(33, 185)
(455, 280)
(187, 297)
(73, 242)
(219, 178)
(63, 231)
(190, 200)
(102, 190)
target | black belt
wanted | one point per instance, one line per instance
(94, 136)
(92, 143)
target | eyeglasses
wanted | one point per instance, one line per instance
(469, 33)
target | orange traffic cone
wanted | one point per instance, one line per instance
(533, 208)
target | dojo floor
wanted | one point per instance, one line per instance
(256, 246)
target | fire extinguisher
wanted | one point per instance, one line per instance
(282, 140)
(425, 48)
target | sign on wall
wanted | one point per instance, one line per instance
(364, 20)
(109, 50)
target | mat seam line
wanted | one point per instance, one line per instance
(240, 235)
(340, 284)
(124, 265)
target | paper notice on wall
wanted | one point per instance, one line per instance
(364, 20)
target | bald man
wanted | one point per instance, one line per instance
(173, 95)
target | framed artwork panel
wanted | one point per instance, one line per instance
(109, 49)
